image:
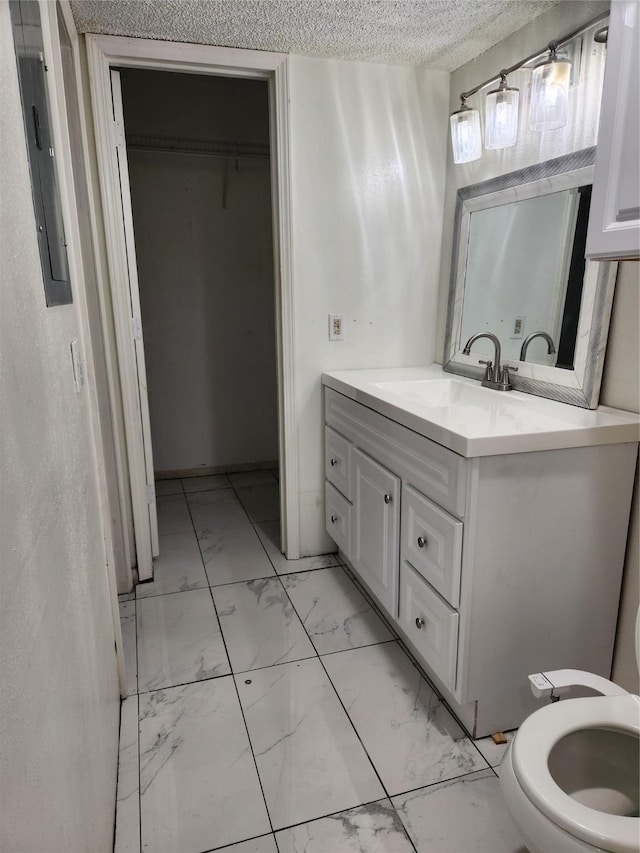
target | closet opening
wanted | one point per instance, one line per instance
(198, 157)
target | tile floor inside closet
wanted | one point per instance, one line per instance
(271, 708)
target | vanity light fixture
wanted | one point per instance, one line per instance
(549, 100)
(465, 133)
(501, 117)
(550, 92)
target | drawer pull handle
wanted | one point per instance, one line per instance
(334, 462)
(387, 498)
(334, 518)
(421, 541)
(419, 622)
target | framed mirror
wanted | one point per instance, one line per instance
(518, 270)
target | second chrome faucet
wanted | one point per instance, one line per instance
(496, 375)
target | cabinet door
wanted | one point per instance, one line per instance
(614, 219)
(376, 528)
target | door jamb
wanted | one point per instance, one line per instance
(55, 81)
(106, 51)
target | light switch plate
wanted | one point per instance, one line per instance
(78, 365)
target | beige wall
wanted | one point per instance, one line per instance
(620, 387)
(59, 702)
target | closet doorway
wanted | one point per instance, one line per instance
(195, 198)
(199, 176)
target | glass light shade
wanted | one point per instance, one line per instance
(549, 94)
(466, 139)
(501, 118)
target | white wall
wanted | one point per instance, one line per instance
(59, 702)
(207, 294)
(621, 389)
(205, 268)
(620, 382)
(367, 159)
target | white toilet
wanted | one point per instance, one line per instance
(570, 776)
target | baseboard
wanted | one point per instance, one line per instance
(206, 471)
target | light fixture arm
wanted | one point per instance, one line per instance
(552, 46)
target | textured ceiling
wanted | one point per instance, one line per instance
(441, 34)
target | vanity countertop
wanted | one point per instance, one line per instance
(474, 421)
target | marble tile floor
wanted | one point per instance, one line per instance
(271, 708)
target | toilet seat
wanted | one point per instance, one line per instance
(531, 749)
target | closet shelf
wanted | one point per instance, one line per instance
(207, 147)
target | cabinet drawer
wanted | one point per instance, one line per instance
(432, 542)
(338, 518)
(337, 461)
(430, 624)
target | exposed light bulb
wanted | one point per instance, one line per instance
(550, 93)
(466, 138)
(501, 116)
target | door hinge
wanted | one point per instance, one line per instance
(151, 493)
(136, 327)
(119, 133)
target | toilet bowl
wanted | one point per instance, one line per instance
(570, 776)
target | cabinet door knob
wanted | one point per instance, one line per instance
(334, 462)
(419, 622)
(387, 498)
(334, 518)
(421, 541)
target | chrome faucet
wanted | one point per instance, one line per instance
(550, 347)
(496, 375)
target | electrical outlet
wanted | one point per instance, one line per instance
(517, 327)
(336, 327)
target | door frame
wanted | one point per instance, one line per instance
(105, 52)
(68, 178)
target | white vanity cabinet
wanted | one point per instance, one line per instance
(614, 219)
(489, 567)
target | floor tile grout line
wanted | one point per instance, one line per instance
(283, 664)
(250, 520)
(413, 659)
(357, 733)
(320, 817)
(234, 583)
(258, 668)
(449, 779)
(234, 674)
(226, 651)
(254, 525)
(421, 675)
(246, 727)
(244, 841)
(230, 673)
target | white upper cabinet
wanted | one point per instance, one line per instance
(614, 221)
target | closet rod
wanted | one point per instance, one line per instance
(205, 147)
(225, 155)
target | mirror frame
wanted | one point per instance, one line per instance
(580, 386)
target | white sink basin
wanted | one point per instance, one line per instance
(474, 421)
(438, 393)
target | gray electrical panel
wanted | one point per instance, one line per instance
(27, 37)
